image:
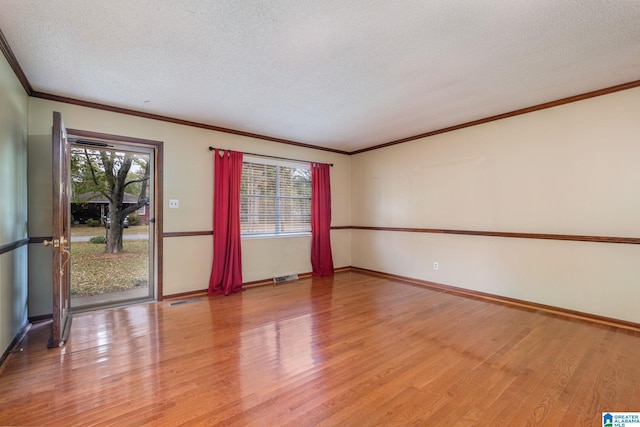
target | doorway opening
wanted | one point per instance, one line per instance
(114, 237)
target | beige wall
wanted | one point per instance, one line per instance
(13, 204)
(188, 177)
(571, 169)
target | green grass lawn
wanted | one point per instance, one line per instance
(93, 272)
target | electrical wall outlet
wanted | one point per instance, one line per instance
(174, 204)
(436, 265)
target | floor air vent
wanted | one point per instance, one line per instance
(184, 301)
(280, 279)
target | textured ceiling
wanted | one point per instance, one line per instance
(339, 74)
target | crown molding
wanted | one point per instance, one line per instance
(127, 111)
(568, 100)
(13, 62)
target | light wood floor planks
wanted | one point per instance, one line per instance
(353, 350)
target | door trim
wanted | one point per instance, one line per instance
(158, 148)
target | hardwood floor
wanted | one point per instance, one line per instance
(354, 350)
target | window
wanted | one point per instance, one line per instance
(275, 197)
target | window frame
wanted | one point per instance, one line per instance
(277, 197)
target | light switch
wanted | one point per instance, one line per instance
(174, 204)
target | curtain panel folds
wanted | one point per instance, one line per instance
(226, 272)
(321, 257)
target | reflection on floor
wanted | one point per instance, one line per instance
(348, 350)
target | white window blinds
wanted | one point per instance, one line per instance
(275, 198)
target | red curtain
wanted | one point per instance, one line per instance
(321, 258)
(226, 273)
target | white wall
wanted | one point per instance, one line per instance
(571, 169)
(13, 204)
(188, 177)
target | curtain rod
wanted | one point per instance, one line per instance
(271, 157)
